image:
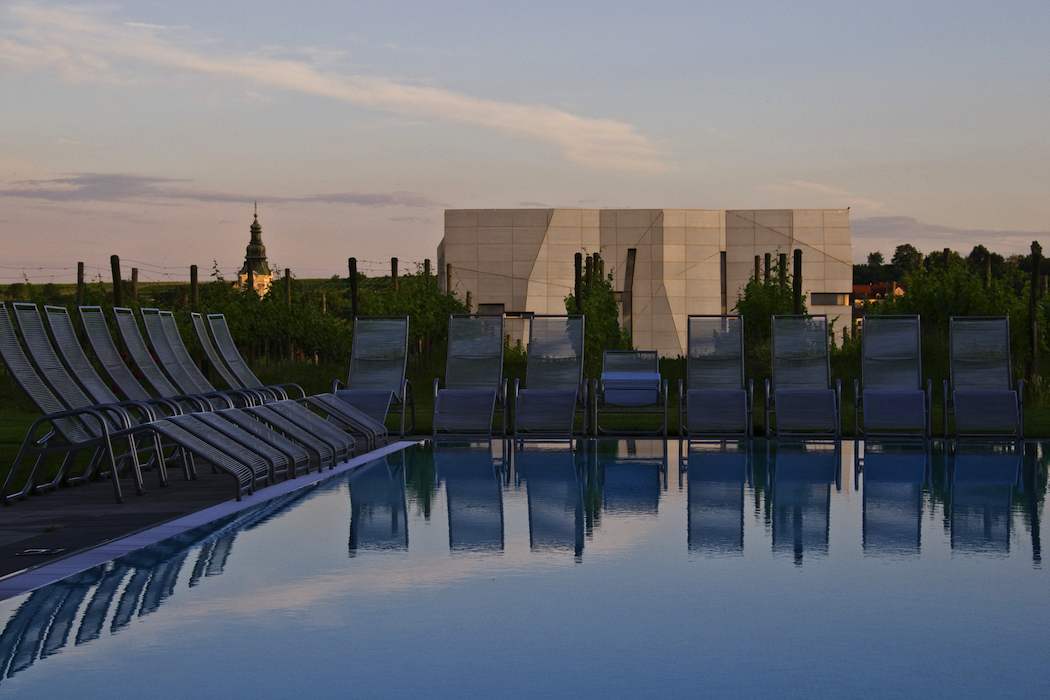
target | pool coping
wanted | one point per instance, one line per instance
(29, 580)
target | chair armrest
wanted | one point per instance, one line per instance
(517, 387)
(337, 385)
(437, 384)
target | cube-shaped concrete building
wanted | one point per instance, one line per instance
(666, 263)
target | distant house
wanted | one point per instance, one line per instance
(877, 291)
(666, 263)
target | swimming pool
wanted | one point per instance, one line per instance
(618, 570)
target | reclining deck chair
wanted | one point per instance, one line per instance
(555, 387)
(984, 404)
(70, 430)
(800, 393)
(377, 369)
(630, 383)
(474, 382)
(339, 412)
(892, 401)
(713, 401)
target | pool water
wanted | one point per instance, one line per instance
(621, 569)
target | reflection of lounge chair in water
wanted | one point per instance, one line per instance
(379, 514)
(632, 483)
(983, 482)
(474, 383)
(555, 498)
(631, 384)
(475, 498)
(894, 476)
(377, 369)
(555, 389)
(716, 478)
(802, 478)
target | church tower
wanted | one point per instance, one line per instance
(255, 261)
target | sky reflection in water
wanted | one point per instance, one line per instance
(620, 570)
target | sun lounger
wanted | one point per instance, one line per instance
(713, 401)
(984, 403)
(555, 390)
(631, 384)
(474, 382)
(800, 394)
(892, 402)
(376, 380)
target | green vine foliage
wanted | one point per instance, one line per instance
(602, 326)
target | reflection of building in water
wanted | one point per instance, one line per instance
(716, 479)
(802, 478)
(893, 483)
(379, 514)
(77, 608)
(475, 498)
(983, 481)
(555, 497)
(631, 482)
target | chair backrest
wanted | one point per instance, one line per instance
(555, 358)
(161, 343)
(201, 329)
(379, 354)
(182, 355)
(644, 361)
(68, 346)
(22, 371)
(42, 353)
(715, 358)
(475, 352)
(224, 339)
(980, 352)
(891, 352)
(97, 331)
(800, 352)
(129, 331)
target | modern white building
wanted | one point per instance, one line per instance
(666, 263)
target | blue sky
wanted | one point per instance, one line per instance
(148, 129)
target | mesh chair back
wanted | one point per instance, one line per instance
(161, 342)
(980, 352)
(646, 361)
(716, 353)
(475, 352)
(97, 332)
(68, 345)
(43, 355)
(201, 329)
(379, 353)
(140, 355)
(182, 355)
(555, 352)
(800, 352)
(891, 352)
(22, 371)
(230, 353)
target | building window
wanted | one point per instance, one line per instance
(828, 299)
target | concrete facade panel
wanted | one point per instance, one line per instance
(495, 217)
(461, 217)
(531, 217)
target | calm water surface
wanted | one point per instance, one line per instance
(617, 570)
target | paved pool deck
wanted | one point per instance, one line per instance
(49, 536)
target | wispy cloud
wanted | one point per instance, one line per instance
(885, 233)
(827, 193)
(124, 187)
(83, 44)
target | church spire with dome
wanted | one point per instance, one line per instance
(255, 259)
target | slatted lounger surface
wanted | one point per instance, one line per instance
(800, 393)
(892, 402)
(983, 399)
(376, 380)
(554, 385)
(473, 378)
(713, 401)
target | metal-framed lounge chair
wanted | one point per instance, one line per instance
(713, 401)
(982, 400)
(800, 394)
(630, 383)
(474, 382)
(70, 430)
(266, 393)
(378, 359)
(555, 390)
(892, 402)
(337, 411)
